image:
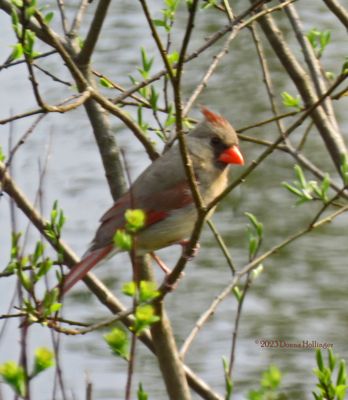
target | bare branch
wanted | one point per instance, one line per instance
(340, 12)
(93, 34)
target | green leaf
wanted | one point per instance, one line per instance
(312, 36)
(344, 168)
(144, 317)
(271, 378)
(142, 395)
(342, 374)
(117, 340)
(17, 3)
(208, 4)
(15, 249)
(30, 11)
(38, 252)
(187, 123)
(256, 272)
(228, 380)
(148, 291)
(29, 42)
(253, 245)
(160, 23)
(135, 219)
(129, 289)
(61, 221)
(153, 98)
(170, 117)
(316, 396)
(332, 359)
(15, 22)
(324, 188)
(144, 126)
(344, 70)
(54, 308)
(44, 359)
(25, 280)
(44, 267)
(319, 40)
(2, 155)
(123, 240)
(14, 375)
(320, 361)
(292, 189)
(54, 212)
(48, 17)
(237, 293)
(340, 392)
(106, 83)
(325, 39)
(290, 101)
(300, 176)
(173, 58)
(258, 226)
(146, 64)
(17, 51)
(50, 302)
(330, 76)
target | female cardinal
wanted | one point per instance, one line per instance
(163, 193)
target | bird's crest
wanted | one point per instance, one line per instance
(213, 118)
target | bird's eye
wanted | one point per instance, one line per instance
(215, 141)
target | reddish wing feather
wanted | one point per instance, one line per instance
(156, 206)
(80, 270)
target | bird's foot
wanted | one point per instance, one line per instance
(167, 271)
(163, 265)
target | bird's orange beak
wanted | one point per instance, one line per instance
(232, 155)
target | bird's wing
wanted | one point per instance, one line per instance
(160, 189)
(156, 206)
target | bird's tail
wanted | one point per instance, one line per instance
(80, 270)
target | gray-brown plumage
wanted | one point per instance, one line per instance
(162, 191)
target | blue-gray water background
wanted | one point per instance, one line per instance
(300, 296)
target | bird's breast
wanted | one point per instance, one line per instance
(177, 226)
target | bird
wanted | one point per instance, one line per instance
(163, 193)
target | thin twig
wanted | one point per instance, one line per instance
(209, 72)
(222, 245)
(18, 62)
(206, 315)
(63, 18)
(75, 26)
(54, 78)
(236, 324)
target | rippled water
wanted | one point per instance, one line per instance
(300, 296)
